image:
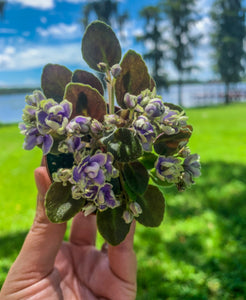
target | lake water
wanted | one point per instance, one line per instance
(11, 106)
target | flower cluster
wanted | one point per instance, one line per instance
(47, 125)
(44, 119)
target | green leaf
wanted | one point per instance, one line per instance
(54, 80)
(152, 84)
(55, 162)
(86, 101)
(59, 204)
(133, 78)
(100, 44)
(174, 107)
(112, 226)
(148, 159)
(171, 144)
(125, 146)
(85, 77)
(152, 203)
(131, 194)
(136, 177)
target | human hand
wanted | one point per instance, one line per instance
(48, 268)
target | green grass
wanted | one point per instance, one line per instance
(199, 250)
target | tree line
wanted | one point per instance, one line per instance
(179, 17)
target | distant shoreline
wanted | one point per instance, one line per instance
(9, 91)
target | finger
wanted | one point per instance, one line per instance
(122, 259)
(44, 239)
(84, 229)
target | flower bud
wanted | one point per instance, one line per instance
(102, 67)
(127, 216)
(115, 70)
(76, 192)
(130, 100)
(88, 209)
(96, 126)
(135, 208)
(62, 175)
(111, 119)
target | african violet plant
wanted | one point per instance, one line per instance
(106, 159)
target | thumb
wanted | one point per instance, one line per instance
(44, 238)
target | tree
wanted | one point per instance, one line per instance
(105, 10)
(2, 4)
(227, 39)
(152, 16)
(181, 15)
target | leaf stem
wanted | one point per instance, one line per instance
(110, 88)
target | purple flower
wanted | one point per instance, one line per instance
(90, 192)
(106, 196)
(35, 99)
(155, 108)
(53, 117)
(168, 169)
(33, 138)
(90, 170)
(174, 118)
(111, 171)
(192, 168)
(145, 132)
(29, 114)
(79, 125)
(71, 145)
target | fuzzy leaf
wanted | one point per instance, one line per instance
(55, 162)
(136, 177)
(112, 226)
(86, 101)
(134, 77)
(54, 80)
(59, 204)
(85, 77)
(171, 144)
(131, 194)
(100, 44)
(152, 203)
(152, 84)
(124, 145)
(148, 159)
(174, 107)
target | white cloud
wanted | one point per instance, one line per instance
(38, 4)
(27, 57)
(43, 20)
(84, 1)
(61, 31)
(8, 31)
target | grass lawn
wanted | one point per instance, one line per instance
(199, 250)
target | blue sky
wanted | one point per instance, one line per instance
(36, 32)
